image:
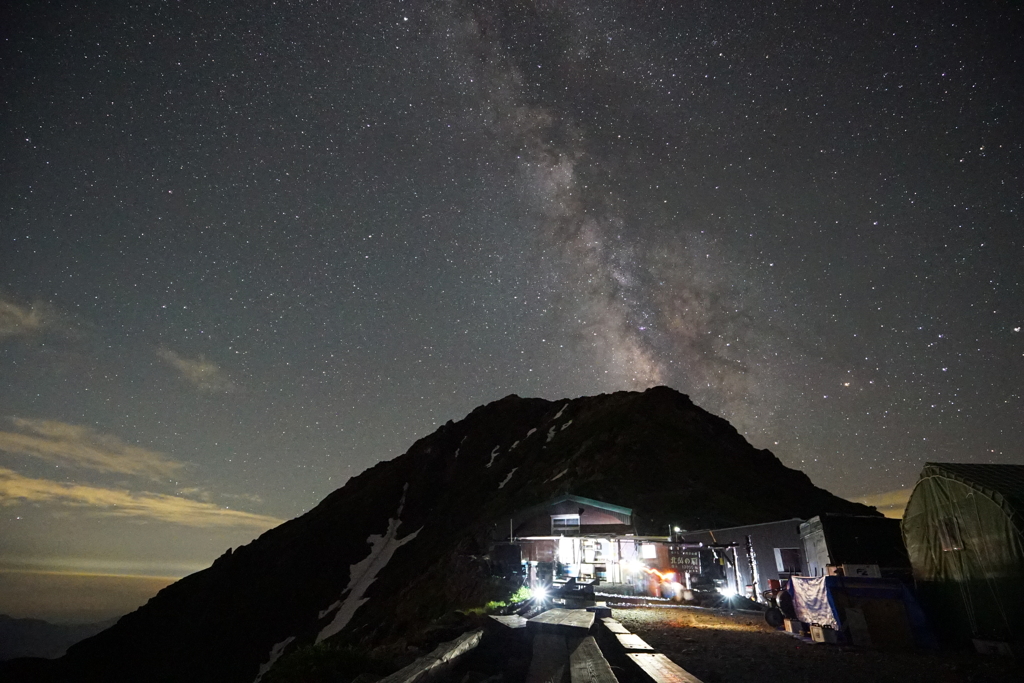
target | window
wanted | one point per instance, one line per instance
(787, 560)
(562, 525)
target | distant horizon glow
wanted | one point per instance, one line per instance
(74, 598)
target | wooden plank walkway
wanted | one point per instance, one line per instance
(565, 622)
(633, 643)
(660, 669)
(614, 626)
(588, 665)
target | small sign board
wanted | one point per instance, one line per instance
(684, 559)
(820, 634)
(860, 571)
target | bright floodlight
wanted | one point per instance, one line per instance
(727, 591)
(634, 566)
(539, 593)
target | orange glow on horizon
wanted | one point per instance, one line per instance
(74, 597)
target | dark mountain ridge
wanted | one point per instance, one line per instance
(398, 545)
(38, 638)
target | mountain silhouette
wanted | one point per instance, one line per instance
(400, 545)
(38, 638)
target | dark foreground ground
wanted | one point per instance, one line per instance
(718, 647)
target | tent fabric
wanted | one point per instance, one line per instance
(964, 532)
(1003, 484)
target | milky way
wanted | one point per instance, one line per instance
(247, 251)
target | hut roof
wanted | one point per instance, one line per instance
(623, 513)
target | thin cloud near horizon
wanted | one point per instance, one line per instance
(77, 565)
(109, 502)
(95, 575)
(84, 447)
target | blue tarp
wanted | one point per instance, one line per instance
(815, 603)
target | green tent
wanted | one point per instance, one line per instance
(964, 531)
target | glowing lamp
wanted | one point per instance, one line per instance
(633, 566)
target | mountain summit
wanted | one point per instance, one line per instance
(398, 545)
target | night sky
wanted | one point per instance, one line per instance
(248, 250)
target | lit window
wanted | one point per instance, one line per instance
(562, 525)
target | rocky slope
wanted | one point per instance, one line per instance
(399, 544)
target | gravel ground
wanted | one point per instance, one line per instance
(719, 647)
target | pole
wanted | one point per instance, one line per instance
(736, 571)
(752, 563)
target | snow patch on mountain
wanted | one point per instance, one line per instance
(275, 653)
(364, 572)
(559, 413)
(558, 476)
(505, 480)
(494, 454)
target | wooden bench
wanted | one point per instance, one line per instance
(550, 659)
(658, 668)
(431, 666)
(565, 622)
(507, 629)
(588, 665)
(511, 621)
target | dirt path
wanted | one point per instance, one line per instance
(740, 648)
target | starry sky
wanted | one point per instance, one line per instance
(249, 249)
